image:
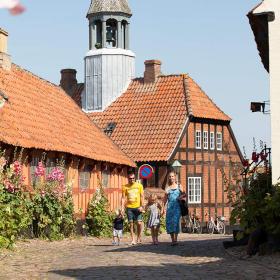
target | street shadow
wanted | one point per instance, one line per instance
(203, 248)
(211, 270)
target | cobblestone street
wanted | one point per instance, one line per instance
(197, 257)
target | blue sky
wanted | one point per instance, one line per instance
(210, 40)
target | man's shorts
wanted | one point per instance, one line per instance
(133, 215)
(117, 233)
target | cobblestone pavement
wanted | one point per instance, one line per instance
(197, 257)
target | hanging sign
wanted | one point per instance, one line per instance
(146, 171)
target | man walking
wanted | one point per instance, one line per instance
(133, 199)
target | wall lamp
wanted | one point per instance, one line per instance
(260, 107)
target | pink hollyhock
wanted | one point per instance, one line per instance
(9, 186)
(56, 175)
(40, 170)
(17, 168)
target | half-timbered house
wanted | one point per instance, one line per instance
(156, 119)
(160, 119)
(41, 118)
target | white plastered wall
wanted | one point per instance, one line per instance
(273, 7)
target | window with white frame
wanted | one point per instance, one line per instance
(84, 177)
(106, 177)
(194, 189)
(212, 141)
(198, 139)
(219, 141)
(205, 140)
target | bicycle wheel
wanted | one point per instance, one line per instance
(189, 227)
(221, 227)
(198, 227)
(210, 227)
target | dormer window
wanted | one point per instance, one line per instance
(110, 128)
(3, 99)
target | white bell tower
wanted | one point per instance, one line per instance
(109, 64)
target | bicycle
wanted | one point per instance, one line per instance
(216, 226)
(193, 224)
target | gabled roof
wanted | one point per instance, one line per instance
(150, 117)
(101, 6)
(258, 19)
(41, 115)
(199, 103)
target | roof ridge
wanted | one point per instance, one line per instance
(35, 76)
(80, 85)
(163, 76)
(188, 102)
(217, 107)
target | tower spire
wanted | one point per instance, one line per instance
(110, 65)
(115, 6)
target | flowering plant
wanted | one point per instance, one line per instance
(15, 202)
(47, 209)
(99, 219)
(53, 211)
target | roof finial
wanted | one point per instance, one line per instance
(112, 6)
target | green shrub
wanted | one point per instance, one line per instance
(15, 215)
(99, 219)
(53, 208)
(47, 209)
(248, 208)
(271, 211)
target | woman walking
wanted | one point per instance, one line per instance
(173, 213)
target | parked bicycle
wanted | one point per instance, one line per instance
(217, 225)
(192, 224)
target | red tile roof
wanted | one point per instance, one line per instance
(41, 115)
(200, 105)
(150, 117)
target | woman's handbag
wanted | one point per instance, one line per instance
(183, 206)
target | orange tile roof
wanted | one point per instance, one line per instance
(200, 105)
(41, 115)
(150, 117)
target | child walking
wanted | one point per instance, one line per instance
(117, 228)
(154, 209)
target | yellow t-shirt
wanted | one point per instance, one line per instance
(133, 193)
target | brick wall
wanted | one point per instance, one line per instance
(208, 164)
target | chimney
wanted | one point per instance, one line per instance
(152, 70)
(68, 80)
(5, 59)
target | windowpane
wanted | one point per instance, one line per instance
(105, 178)
(212, 140)
(33, 165)
(50, 165)
(194, 187)
(84, 177)
(198, 139)
(219, 141)
(205, 140)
